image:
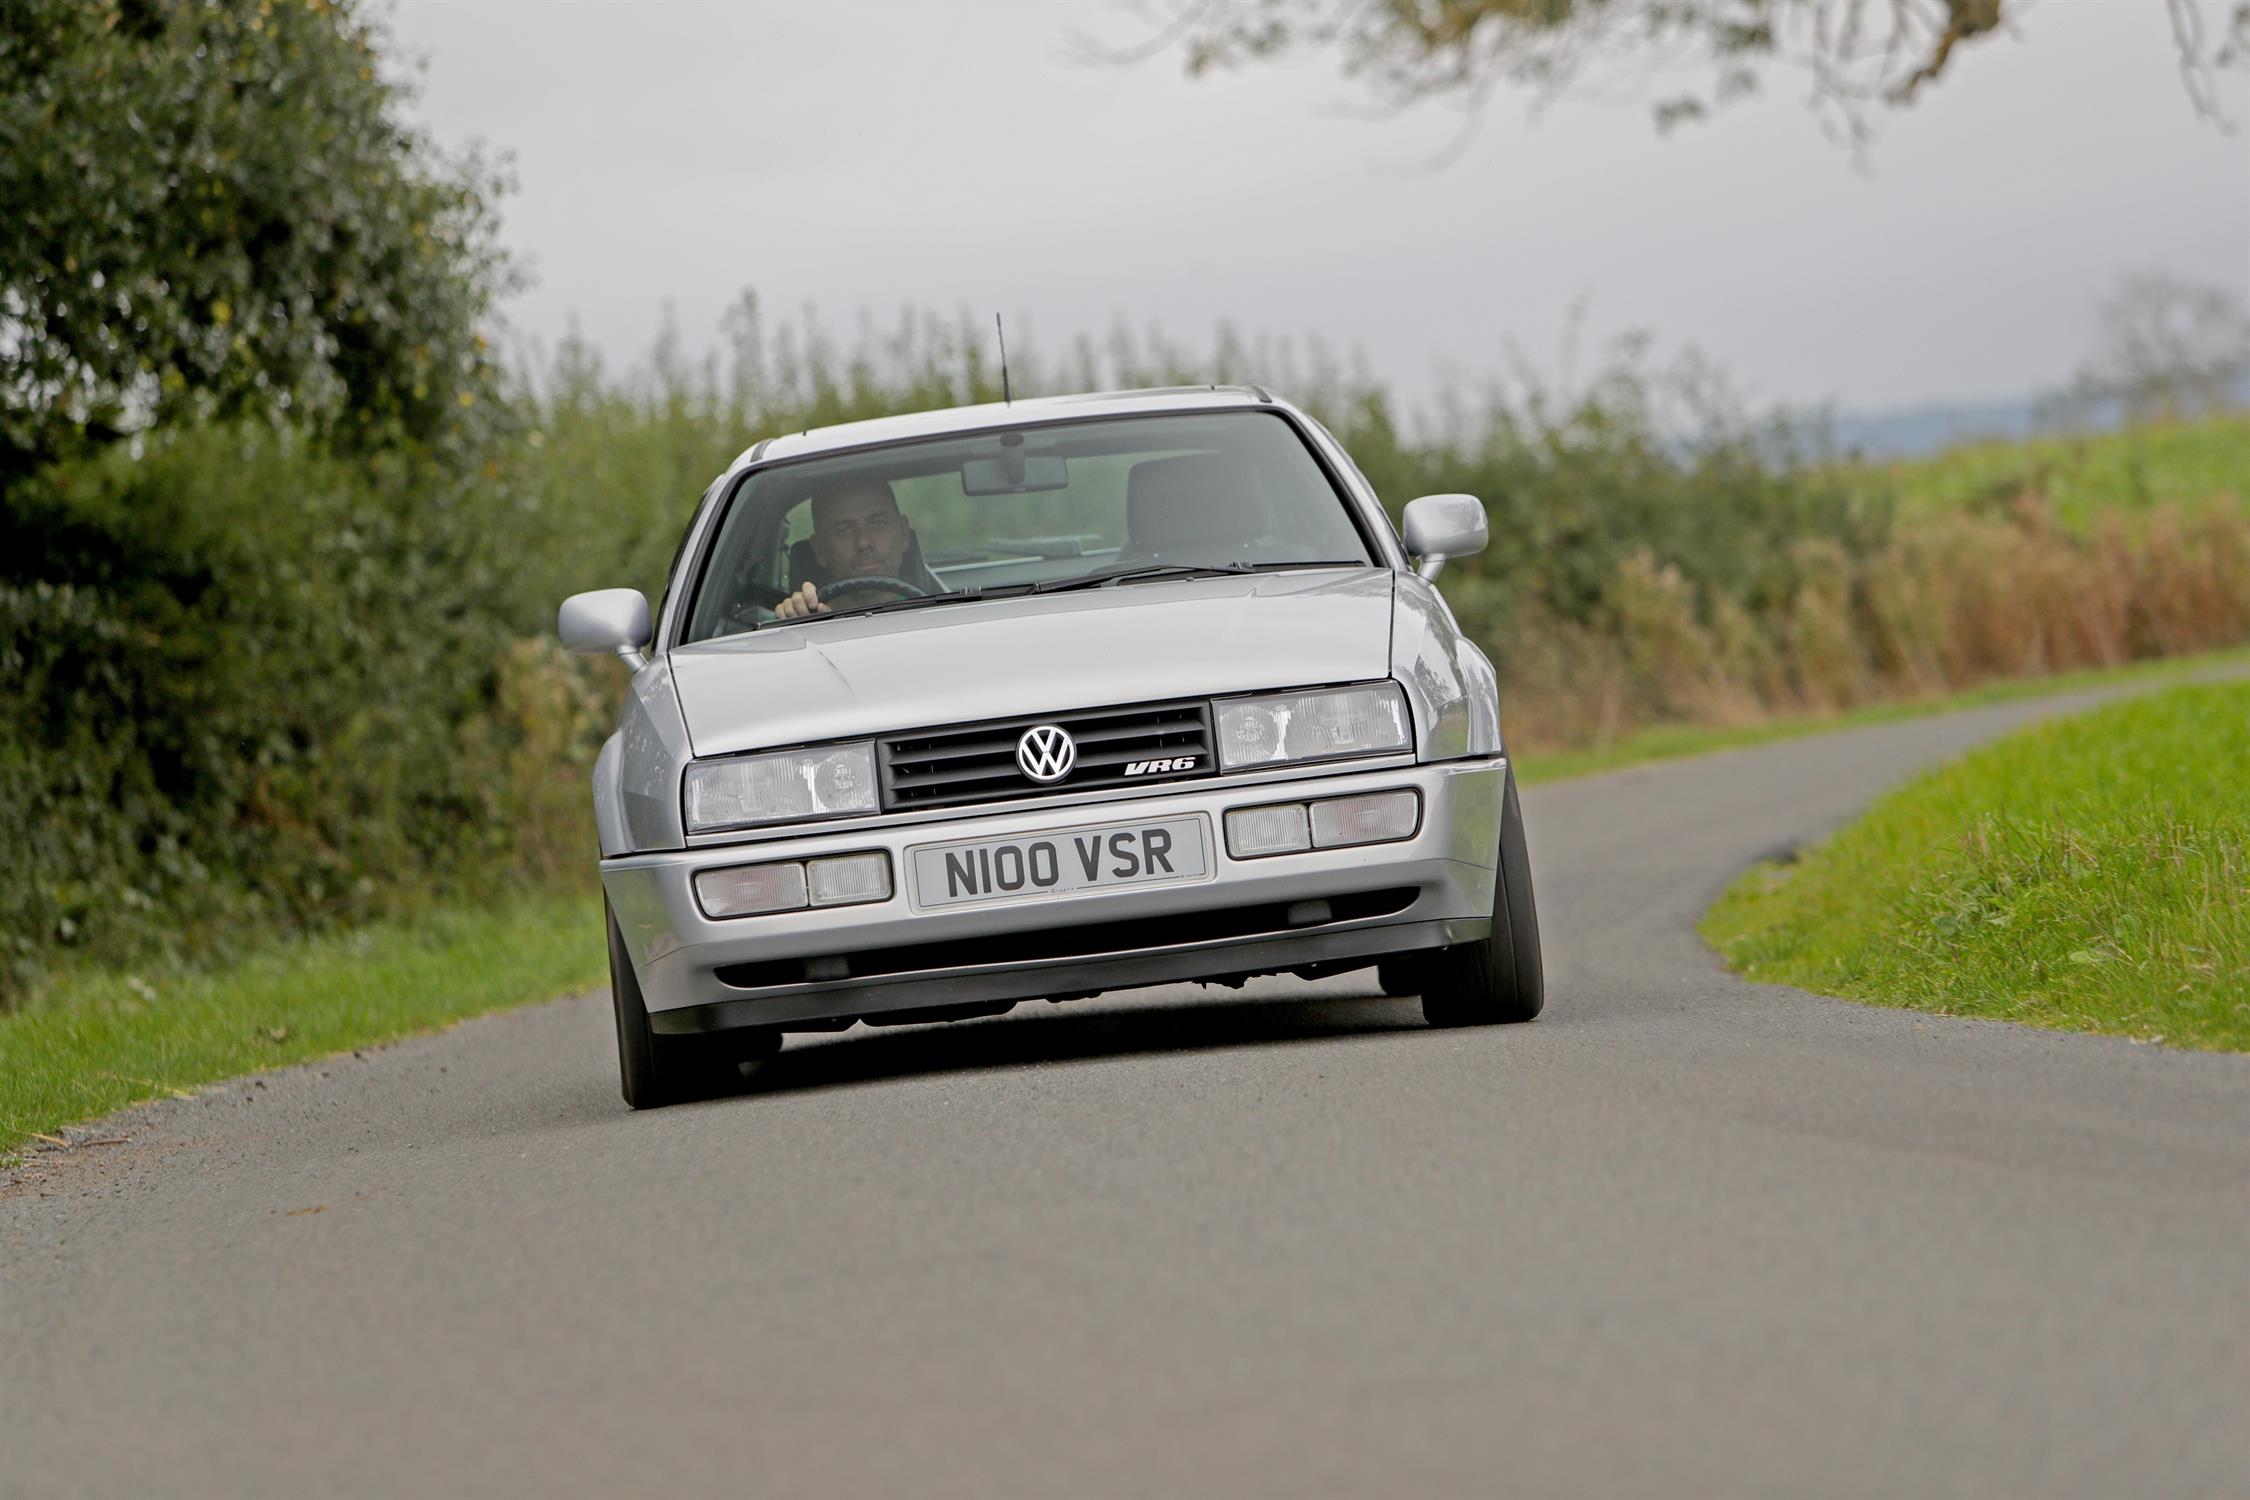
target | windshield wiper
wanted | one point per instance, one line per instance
(915, 601)
(955, 596)
(1156, 571)
(1064, 585)
(1104, 579)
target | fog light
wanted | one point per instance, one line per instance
(745, 890)
(846, 878)
(1279, 829)
(1377, 818)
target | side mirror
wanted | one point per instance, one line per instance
(606, 622)
(1443, 526)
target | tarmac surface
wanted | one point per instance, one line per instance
(1683, 1235)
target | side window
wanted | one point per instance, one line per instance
(794, 541)
(799, 528)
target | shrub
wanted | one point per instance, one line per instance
(249, 685)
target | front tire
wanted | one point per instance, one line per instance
(653, 1070)
(1499, 978)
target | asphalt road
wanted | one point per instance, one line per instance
(1681, 1236)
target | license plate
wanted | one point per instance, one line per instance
(1041, 865)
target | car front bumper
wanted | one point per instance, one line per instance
(891, 959)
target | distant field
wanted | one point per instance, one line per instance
(2188, 464)
(2090, 874)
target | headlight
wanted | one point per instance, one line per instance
(1313, 726)
(743, 790)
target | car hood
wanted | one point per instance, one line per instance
(1000, 658)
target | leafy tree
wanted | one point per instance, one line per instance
(213, 209)
(1860, 56)
(2164, 346)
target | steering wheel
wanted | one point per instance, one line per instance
(869, 583)
(749, 598)
(765, 596)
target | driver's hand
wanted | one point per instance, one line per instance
(806, 601)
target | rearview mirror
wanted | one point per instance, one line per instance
(606, 622)
(1014, 473)
(1443, 526)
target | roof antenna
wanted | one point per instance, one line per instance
(996, 328)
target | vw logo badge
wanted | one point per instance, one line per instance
(1046, 753)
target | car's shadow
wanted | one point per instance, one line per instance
(1035, 1033)
(1038, 1033)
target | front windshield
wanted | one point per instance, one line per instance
(1010, 511)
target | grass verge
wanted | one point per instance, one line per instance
(2090, 874)
(98, 1041)
(1674, 741)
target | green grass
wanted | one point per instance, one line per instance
(97, 1041)
(2189, 464)
(2091, 874)
(1673, 741)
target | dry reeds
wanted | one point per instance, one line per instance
(1951, 602)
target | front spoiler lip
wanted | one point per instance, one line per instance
(1041, 979)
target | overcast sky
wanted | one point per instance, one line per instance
(866, 156)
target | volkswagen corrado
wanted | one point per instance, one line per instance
(944, 712)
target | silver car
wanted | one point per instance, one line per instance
(949, 711)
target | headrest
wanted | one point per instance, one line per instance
(1194, 499)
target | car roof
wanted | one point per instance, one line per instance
(996, 414)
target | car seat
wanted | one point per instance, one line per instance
(1196, 507)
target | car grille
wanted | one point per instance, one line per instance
(977, 762)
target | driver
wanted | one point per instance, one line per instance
(858, 532)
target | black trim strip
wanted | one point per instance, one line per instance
(1053, 944)
(1351, 947)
